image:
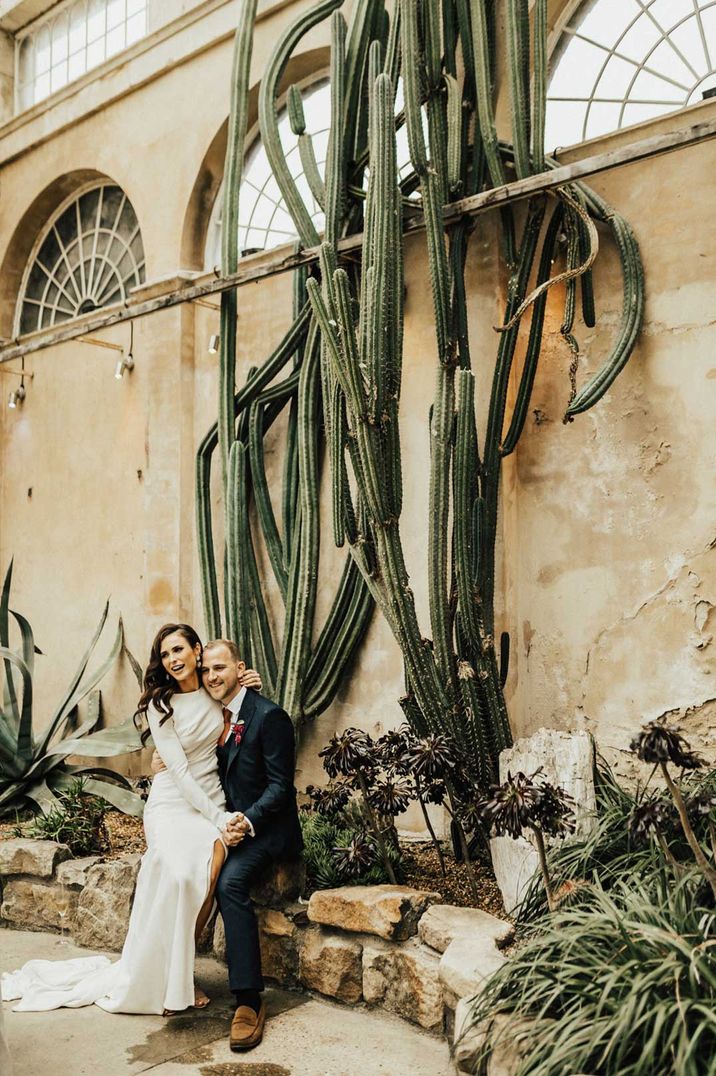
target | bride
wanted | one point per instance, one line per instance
(185, 822)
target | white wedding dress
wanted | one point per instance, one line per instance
(183, 818)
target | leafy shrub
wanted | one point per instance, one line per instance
(610, 851)
(622, 983)
(77, 821)
(323, 836)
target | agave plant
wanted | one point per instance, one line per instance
(34, 766)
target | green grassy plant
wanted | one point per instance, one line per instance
(622, 983)
(77, 821)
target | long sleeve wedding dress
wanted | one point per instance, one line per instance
(183, 818)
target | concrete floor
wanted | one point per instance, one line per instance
(304, 1036)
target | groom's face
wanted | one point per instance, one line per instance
(220, 673)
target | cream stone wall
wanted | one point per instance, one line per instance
(607, 582)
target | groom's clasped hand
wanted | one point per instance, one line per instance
(237, 827)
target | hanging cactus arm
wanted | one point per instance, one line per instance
(205, 538)
(262, 496)
(268, 116)
(345, 624)
(534, 344)
(262, 639)
(238, 623)
(632, 317)
(303, 593)
(570, 273)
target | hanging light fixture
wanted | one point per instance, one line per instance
(126, 362)
(16, 396)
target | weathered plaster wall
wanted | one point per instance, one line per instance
(607, 584)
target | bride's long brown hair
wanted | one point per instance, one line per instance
(159, 685)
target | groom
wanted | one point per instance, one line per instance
(256, 764)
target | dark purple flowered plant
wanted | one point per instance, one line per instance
(530, 802)
(663, 745)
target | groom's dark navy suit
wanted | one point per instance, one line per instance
(257, 775)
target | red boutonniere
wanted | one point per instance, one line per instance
(238, 732)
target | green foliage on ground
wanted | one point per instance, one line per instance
(621, 979)
(622, 983)
(78, 821)
(322, 836)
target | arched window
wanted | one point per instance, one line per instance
(89, 256)
(264, 221)
(622, 61)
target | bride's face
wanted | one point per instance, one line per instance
(180, 660)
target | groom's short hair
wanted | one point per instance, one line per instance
(230, 646)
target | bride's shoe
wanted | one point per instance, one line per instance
(201, 1000)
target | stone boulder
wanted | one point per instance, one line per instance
(515, 863)
(24, 856)
(467, 963)
(31, 904)
(219, 942)
(280, 883)
(442, 923)
(509, 1039)
(388, 911)
(278, 938)
(404, 979)
(105, 903)
(566, 759)
(73, 872)
(331, 964)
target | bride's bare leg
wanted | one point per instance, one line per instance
(217, 862)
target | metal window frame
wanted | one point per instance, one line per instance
(74, 199)
(568, 31)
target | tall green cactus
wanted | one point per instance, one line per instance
(347, 343)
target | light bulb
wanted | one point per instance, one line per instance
(12, 399)
(213, 343)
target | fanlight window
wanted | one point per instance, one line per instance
(89, 256)
(622, 61)
(264, 221)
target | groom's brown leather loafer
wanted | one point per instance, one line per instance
(247, 1028)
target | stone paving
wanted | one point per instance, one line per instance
(305, 1036)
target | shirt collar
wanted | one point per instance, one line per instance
(235, 704)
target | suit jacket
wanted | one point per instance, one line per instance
(258, 775)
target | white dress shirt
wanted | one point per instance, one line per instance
(235, 706)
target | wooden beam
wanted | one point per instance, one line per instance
(285, 258)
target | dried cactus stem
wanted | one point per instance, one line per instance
(704, 866)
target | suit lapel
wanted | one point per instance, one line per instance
(246, 714)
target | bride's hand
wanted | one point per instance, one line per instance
(250, 678)
(157, 765)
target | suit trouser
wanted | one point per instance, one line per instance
(243, 864)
